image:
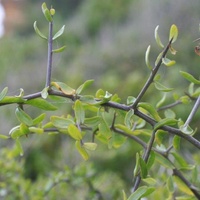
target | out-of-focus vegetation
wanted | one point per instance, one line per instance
(106, 41)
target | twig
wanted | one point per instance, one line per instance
(169, 105)
(192, 113)
(50, 55)
(151, 77)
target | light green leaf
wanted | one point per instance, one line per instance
(81, 150)
(176, 142)
(179, 159)
(158, 58)
(158, 41)
(127, 119)
(36, 130)
(104, 129)
(4, 136)
(24, 129)
(160, 134)
(85, 85)
(170, 114)
(189, 77)
(39, 119)
(186, 129)
(161, 102)
(124, 195)
(59, 33)
(91, 146)
(38, 31)
(64, 88)
(12, 99)
(79, 112)
(130, 100)
(44, 93)
(3, 93)
(167, 62)
(23, 117)
(173, 33)
(163, 161)
(166, 121)
(93, 121)
(150, 109)
(59, 50)
(150, 181)
(74, 132)
(61, 122)
(182, 186)
(46, 13)
(19, 147)
(161, 87)
(42, 104)
(170, 184)
(147, 57)
(141, 192)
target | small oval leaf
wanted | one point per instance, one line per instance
(158, 41)
(74, 132)
(38, 31)
(189, 77)
(59, 33)
(23, 117)
(59, 50)
(147, 58)
(173, 33)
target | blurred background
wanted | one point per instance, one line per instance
(106, 41)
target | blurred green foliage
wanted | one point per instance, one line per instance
(106, 41)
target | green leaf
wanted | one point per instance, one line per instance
(176, 142)
(158, 41)
(166, 121)
(12, 99)
(104, 129)
(59, 50)
(130, 100)
(160, 134)
(167, 62)
(127, 119)
(150, 109)
(81, 150)
(161, 102)
(137, 165)
(19, 147)
(150, 181)
(79, 112)
(189, 77)
(42, 104)
(39, 119)
(124, 195)
(91, 146)
(4, 136)
(143, 168)
(161, 87)
(151, 160)
(64, 88)
(44, 93)
(24, 129)
(23, 117)
(147, 57)
(93, 121)
(186, 129)
(170, 184)
(3, 93)
(163, 161)
(59, 33)
(74, 132)
(182, 186)
(38, 31)
(141, 192)
(159, 57)
(46, 13)
(173, 33)
(170, 114)
(15, 132)
(179, 159)
(61, 122)
(85, 85)
(36, 130)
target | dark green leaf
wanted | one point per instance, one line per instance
(151, 160)
(143, 168)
